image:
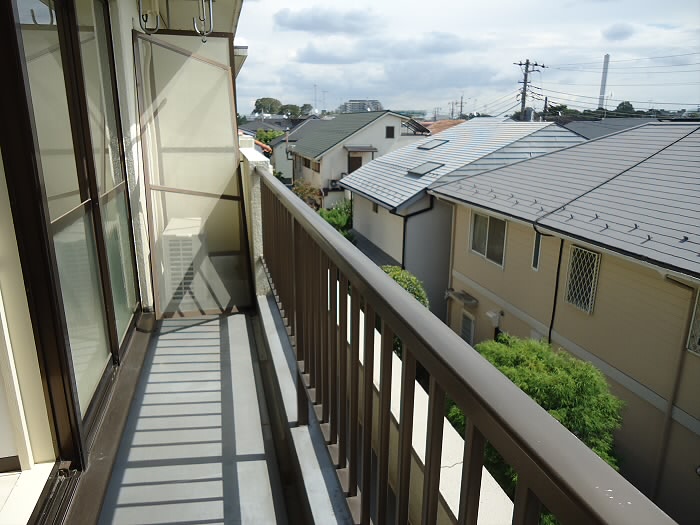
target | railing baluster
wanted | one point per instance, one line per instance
(384, 423)
(433, 452)
(527, 507)
(343, 373)
(333, 353)
(325, 350)
(367, 402)
(472, 464)
(408, 389)
(354, 401)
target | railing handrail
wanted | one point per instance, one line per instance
(559, 466)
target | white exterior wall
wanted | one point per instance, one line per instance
(383, 229)
(280, 161)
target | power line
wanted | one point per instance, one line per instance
(628, 59)
(630, 85)
(628, 72)
(617, 99)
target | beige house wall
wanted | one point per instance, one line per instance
(635, 335)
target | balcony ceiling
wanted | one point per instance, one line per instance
(226, 13)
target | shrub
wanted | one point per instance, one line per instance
(340, 217)
(574, 392)
(412, 285)
(307, 193)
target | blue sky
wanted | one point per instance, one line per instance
(423, 55)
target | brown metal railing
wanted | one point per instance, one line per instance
(315, 274)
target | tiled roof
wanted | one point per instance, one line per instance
(441, 125)
(386, 180)
(592, 129)
(297, 132)
(636, 192)
(329, 133)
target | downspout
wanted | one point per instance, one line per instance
(668, 416)
(405, 224)
(556, 291)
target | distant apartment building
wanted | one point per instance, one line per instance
(358, 106)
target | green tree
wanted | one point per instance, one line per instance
(306, 109)
(267, 136)
(267, 105)
(290, 109)
(241, 119)
(625, 107)
(574, 392)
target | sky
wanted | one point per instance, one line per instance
(425, 55)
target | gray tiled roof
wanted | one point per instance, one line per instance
(328, 133)
(592, 129)
(297, 132)
(386, 179)
(636, 192)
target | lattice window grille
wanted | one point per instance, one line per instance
(694, 336)
(583, 278)
(467, 329)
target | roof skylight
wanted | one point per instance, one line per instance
(425, 168)
(432, 144)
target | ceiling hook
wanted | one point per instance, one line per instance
(143, 21)
(202, 16)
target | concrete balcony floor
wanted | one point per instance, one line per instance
(197, 447)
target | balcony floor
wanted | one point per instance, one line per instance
(197, 447)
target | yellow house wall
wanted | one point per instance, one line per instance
(637, 329)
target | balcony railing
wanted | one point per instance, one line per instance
(325, 289)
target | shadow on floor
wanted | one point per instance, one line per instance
(196, 448)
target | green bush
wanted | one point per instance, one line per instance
(267, 136)
(340, 217)
(574, 392)
(412, 285)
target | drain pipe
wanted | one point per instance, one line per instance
(556, 291)
(668, 416)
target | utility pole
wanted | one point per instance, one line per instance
(544, 111)
(526, 72)
(461, 105)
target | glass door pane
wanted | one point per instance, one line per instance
(68, 199)
(191, 162)
(104, 133)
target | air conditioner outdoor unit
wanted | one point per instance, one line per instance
(184, 250)
(334, 185)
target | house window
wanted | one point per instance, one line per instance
(316, 166)
(307, 163)
(489, 237)
(375, 207)
(536, 251)
(694, 336)
(389, 132)
(583, 278)
(467, 329)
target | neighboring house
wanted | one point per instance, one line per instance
(283, 146)
(393, 213)
(592, 129)
(597, 248)
(265, 125)
(334, 148)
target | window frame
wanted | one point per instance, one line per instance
(474, 213)
(594, 284)
(390, 132)
(536, 251)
